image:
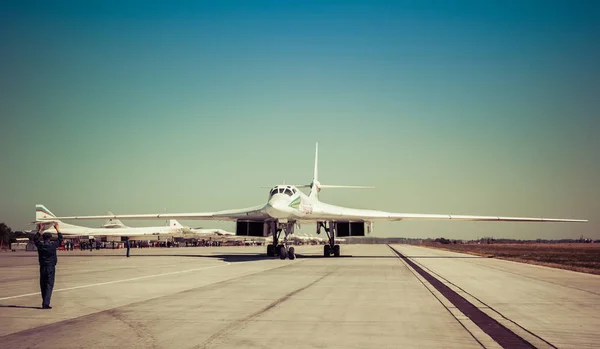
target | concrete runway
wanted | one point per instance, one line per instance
(230, 297)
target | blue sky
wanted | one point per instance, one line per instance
(463, 107)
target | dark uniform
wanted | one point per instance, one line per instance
(47, 258)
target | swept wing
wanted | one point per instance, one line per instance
(250, 213)
(326, 212)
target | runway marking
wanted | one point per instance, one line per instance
(489, 306)
(498, 332)
(118, 281)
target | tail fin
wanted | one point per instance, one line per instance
(113, 223)
(316, 186)
(43, 213)
(175, 224)
(44, 217)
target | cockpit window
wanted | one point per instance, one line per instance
(287, 190)
(276, 190)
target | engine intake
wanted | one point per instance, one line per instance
(246, 228)
(350, 229)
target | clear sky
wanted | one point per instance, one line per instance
(467, 107)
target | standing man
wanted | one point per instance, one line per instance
(127, 245)
(47, 259)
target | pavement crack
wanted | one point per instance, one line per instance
(244, 320)
(141, 332)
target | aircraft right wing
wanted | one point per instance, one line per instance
(326, 212)
(250, 213)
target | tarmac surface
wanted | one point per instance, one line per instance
(374, 296)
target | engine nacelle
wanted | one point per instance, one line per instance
(350, 229)
(249, 228)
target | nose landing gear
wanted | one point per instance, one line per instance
(281, 250)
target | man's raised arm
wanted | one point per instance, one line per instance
(37, 236)
(60, 236)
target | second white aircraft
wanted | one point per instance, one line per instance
(114, 227)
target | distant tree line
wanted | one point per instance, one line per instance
(444, 241)
(491, 240)
(7, 235)
(382, 240)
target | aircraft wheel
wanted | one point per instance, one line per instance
(291, 253)
(326, 250)
(282, 252)
(270, 250)
(336, 250)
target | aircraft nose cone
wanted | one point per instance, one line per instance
(279, 209)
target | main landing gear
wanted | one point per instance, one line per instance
(330, 248)
(276, 249)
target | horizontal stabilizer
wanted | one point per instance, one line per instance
(327, 186)
(292, 185)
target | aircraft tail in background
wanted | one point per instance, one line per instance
(45, 217)
(113, 223)
(175, 224)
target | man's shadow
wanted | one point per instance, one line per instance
(19, 306)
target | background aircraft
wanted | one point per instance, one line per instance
(113, 223)
(113, 227)
(287, 206)
(216, 232)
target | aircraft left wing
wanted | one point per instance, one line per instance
(327, 212)
(250, 213)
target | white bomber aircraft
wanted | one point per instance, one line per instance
(288, 206)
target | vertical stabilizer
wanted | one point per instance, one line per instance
(315, 185)
(113, 223)
(41, 213)
(316, 171)
(175, 224)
